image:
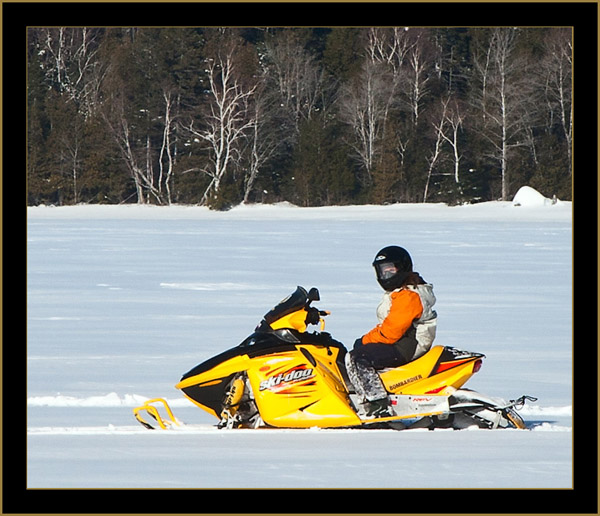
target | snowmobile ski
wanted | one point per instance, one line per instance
(150, 408)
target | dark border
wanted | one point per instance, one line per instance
(583, 499)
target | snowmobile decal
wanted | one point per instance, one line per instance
(394, 386)
(443, 366)
(281, 381)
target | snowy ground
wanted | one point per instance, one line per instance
(122, 300)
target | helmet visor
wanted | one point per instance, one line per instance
(385, 270)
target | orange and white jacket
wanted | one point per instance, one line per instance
(399, 310)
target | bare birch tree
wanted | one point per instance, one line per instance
(228, 120)
(436, 153)
(73, 148)
(263, 143)
(557, 68)
(296, 76)
(454, 118)
(165, 148)
(502, 97)
(418, 76)
(143, 177)
(390, 47)
(69, 59)
(363, 107)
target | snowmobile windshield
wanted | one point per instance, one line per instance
(290, 304)
(385, 270)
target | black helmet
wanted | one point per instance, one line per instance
(392, 266)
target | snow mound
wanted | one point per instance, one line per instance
(527, 196)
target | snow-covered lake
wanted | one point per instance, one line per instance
(122, 300)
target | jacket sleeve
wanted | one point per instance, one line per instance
(406, 306)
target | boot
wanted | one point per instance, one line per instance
(365, 379)
(378, 408)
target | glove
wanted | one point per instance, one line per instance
(312, 317)
(358, 343)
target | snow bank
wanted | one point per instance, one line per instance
(495, 210)
(527, 196)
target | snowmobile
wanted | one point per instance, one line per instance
(284, 376)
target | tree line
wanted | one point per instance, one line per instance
(313, 116)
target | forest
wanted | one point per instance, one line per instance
(219, 116)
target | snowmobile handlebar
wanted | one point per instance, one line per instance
(314, 315)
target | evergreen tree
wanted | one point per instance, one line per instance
(321, 170)
(326, 115)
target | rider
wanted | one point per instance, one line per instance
(406, 328)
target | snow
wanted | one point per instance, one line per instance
(527, 196)
(122, 300)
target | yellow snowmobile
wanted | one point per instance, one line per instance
(283, 376)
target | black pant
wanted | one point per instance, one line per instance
(380, 356)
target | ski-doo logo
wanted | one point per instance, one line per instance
(278, 382)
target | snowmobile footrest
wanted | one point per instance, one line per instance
(152, 411)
